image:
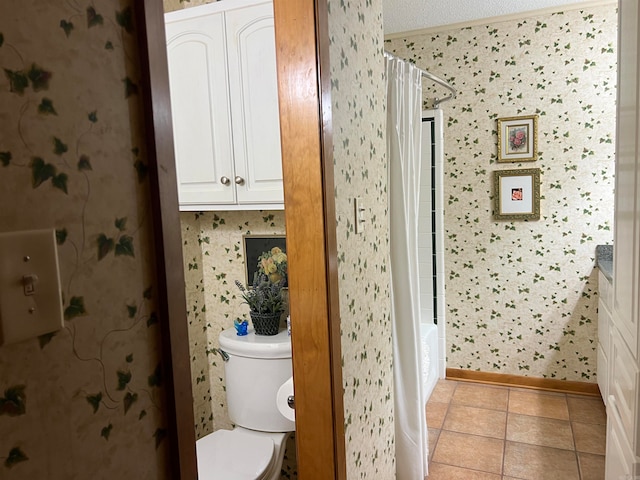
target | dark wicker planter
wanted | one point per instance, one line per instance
(266, 323)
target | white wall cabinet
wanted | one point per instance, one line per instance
(623, 415)
(224, 102)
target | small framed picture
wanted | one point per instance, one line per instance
(266, 254)
(517, 194)
(518, 139)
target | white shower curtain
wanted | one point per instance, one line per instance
(404, 102)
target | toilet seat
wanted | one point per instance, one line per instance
(234, 455)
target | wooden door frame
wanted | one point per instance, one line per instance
(304, 87)
(302, 41)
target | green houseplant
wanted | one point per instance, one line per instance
(266, 304)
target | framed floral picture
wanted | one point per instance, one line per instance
(265, 254)
(518, 139)
(517, 194)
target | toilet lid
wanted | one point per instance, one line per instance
(233, 455)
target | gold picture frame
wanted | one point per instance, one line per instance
(516, 194)
(518, 139)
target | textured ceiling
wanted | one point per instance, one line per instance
(406, 15)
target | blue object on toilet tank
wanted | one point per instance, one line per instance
(241, 326)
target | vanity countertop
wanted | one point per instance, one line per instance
(604, 260)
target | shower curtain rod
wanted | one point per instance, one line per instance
(435, 79)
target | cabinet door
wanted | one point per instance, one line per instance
(254, 104)
(627, 211)
(620, 460)
(624, 386)
(200, 109)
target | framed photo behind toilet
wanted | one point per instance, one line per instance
(255, 246)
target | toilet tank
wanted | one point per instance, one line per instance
(258, 365)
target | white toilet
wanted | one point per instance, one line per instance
(256, 369)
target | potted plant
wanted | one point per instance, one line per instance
(266, 304)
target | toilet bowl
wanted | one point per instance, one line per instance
(257, 368)
(241, 454)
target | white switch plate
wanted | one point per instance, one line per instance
(358, 210)
(30, 297)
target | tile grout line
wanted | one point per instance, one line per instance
(506, 426)
(435, 445)
(575, 442)
(446, 413)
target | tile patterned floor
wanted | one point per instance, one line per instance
(486, 432)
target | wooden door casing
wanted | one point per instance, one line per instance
(305, 114)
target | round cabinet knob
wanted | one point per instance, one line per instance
(239, 181)
(225, 180)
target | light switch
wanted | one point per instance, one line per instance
(359, 212)
(29, 284)
(30, 298)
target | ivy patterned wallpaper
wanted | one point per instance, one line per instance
(172, 5)
(522, 296)
(359, 122)
(87, 401)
